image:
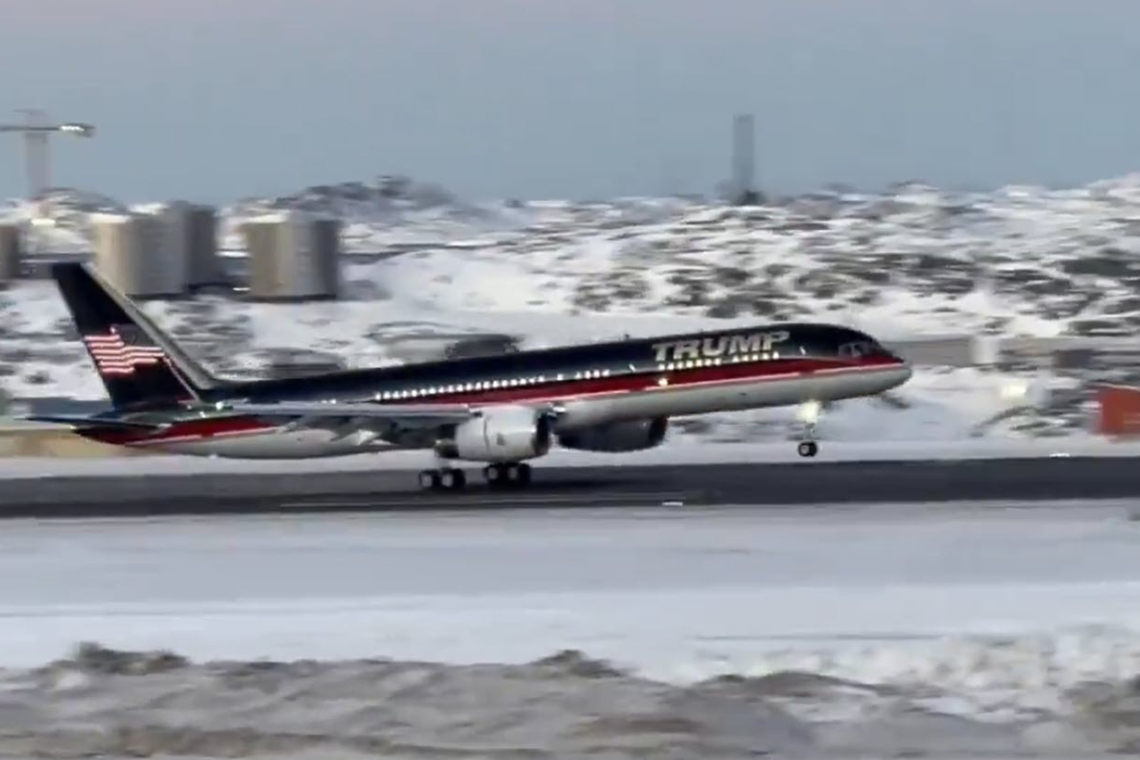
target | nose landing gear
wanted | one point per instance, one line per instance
(808, 414)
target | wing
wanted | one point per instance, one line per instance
(401, 424)
(407, 415)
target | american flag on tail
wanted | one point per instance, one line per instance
(122, 350)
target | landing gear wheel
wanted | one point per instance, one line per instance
(452, 480)
(506, 475)
(447, 479)
(495, 475)
(429, 480)
(807, 449)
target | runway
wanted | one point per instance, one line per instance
(797, 484)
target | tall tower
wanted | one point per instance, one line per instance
(36, 130)
(744, 160)
(36, 153)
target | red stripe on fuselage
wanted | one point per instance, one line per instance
(566, 390)
(206, 427)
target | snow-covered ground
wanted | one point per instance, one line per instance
(882, 630)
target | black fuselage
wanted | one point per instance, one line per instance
(526, 375)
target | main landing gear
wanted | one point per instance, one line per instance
(445, 479)
(497, 476)
(507, 475)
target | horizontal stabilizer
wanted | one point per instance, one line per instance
(80, 421)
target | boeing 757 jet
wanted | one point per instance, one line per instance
(499, 411)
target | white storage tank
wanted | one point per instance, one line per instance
(194, 228)
(293, 256)
(11, 252)
(141, 254)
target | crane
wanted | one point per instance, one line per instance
(36, 131)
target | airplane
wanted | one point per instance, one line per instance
(499, 411)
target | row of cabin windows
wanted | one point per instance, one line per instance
(718, 361)
(487, 385)
(590, 374)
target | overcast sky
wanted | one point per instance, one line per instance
(213, 100)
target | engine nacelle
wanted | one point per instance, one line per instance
(617, 436)
(507, 434)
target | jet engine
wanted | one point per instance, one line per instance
(617, 436)
(507, 434)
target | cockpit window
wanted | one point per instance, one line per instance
(859, 349)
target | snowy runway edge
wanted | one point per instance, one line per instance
(670, 455)
(718, 634)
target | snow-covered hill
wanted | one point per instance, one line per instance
(1018, 261)
(913, 261)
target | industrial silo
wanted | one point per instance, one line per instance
(141, 254)
(261, 253)
(293, 256)
(193, 228)
(10, 252)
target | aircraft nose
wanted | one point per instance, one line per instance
(903, 373)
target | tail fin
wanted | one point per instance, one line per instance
(139, 364)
